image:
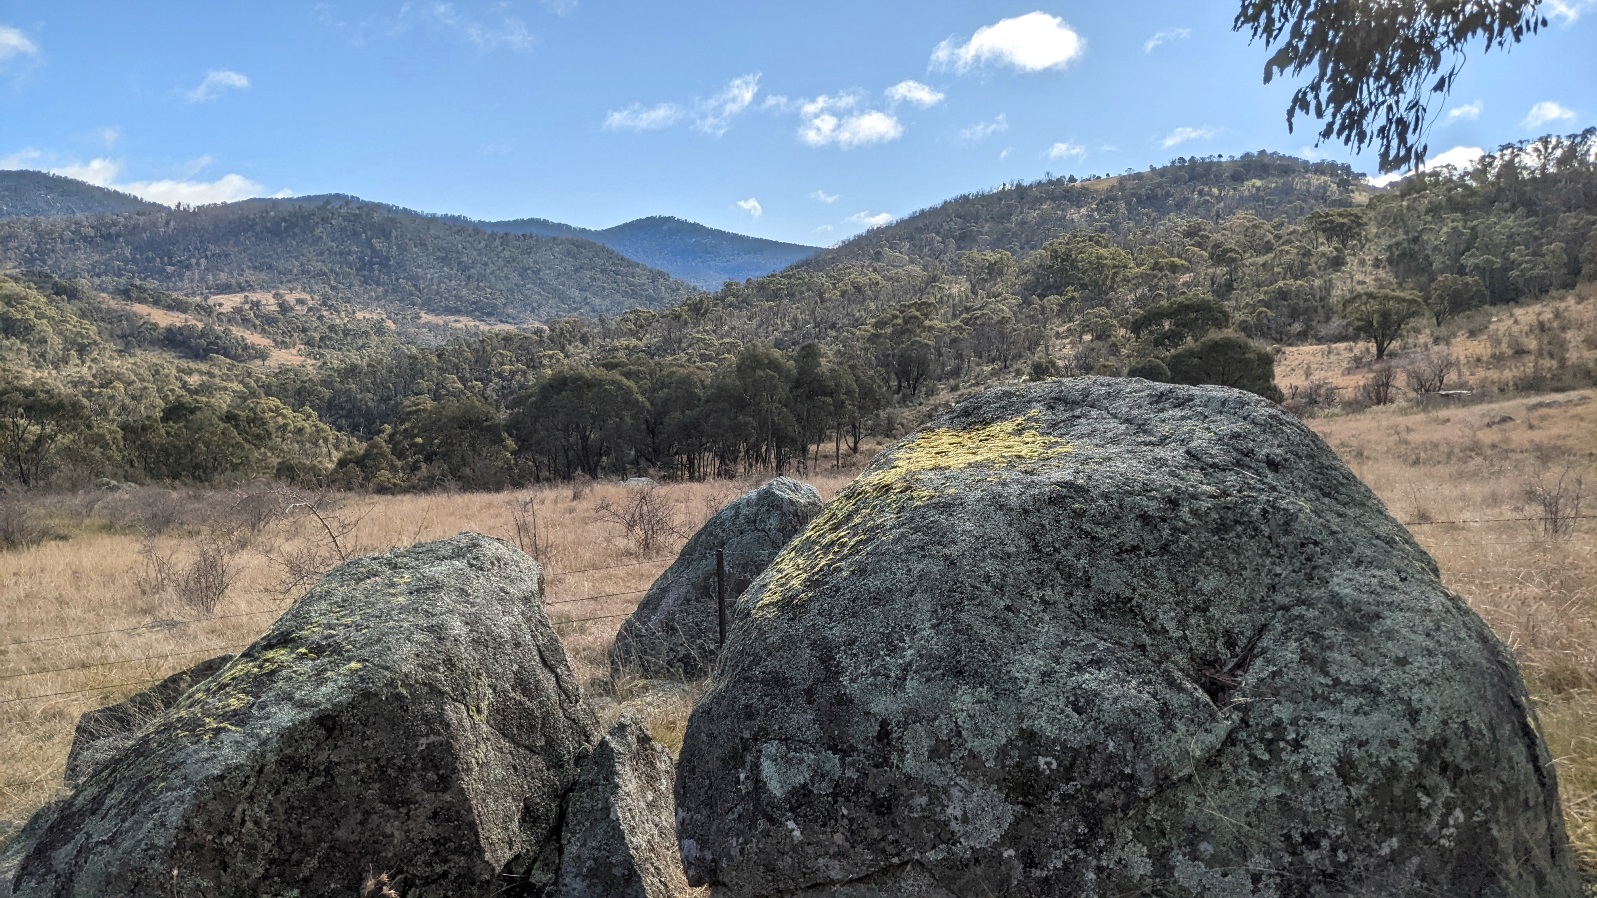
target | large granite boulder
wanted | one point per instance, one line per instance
(1105, 637)
(675, 631)
(101, 732)
(413, 714)
(620, 829)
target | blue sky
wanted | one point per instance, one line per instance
(797, 121)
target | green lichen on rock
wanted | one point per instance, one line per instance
(1158, 641)
(435, 738)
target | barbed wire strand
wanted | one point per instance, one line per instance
(166, 657)
(153, 625)
(1538, 519)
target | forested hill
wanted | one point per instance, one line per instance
(1019, 218)
(702, 256)
(351, 251)
(26, 193)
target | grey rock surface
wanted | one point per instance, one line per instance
(101, 732)
(675, 631)
(619, 839)
(413, 714)
(1102, 637)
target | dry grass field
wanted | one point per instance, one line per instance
(1489, 463)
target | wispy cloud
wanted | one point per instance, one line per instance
(643, 118)
(869, 219)
(507, 33)
(1568, 11)
(1469, 112)
(715, 115)
(712, 115)
(1064, 149)
(1182, 135)
(1165, 37)
(824, 229)
(1546, 112)
(217, 81)
(832, 120)
(1033, 42)
(103, 172)
(14, 44)
(22, 158)
(821, 196)
(984, 130)
(751, 206)
(108, 136)
(1005, 153)
(916, 93)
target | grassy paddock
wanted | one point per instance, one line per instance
(1538, 591)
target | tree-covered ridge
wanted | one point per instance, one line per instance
(788, 370)
(37, 193)
(1019, 218)
(350, 252)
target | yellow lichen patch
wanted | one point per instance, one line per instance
(864, 509)
(1018, 441)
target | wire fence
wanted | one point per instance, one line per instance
(660, 582)
(168, 625)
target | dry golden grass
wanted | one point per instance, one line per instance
(90, 582)
(1538, 592)
(1454, 464)
(1501, 349)
(276, 357)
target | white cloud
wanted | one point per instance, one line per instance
(99, 172)
(824, 229)
(226, 189)
(20, 159)
(751, 206)
(821, 196)
(1066, 150)
(831, 120)
(1005, 154)
(715, 115)
(108, 136)
(1165, 37)
(870, 220)
(509, 33)
(1467, 112)
(13, 43)
(1182, 135)
(1546, 112)
(1033, 42)
(640, 118)
(914, 92)
(1461, 158)
(216, 81)
(984, 130)
(1568, 11)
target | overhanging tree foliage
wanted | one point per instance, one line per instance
(1380, 66)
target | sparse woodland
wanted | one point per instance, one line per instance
(189, 452)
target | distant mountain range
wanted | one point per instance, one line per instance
(702, 256)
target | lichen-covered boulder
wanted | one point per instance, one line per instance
(1105, 637)
(413, 714)
(101, 732)
(620, 831)
(675, 631)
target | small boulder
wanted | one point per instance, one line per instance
(102, 732)
(675, 631)
(1100, 637)
(413, 714)
(620, 831)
